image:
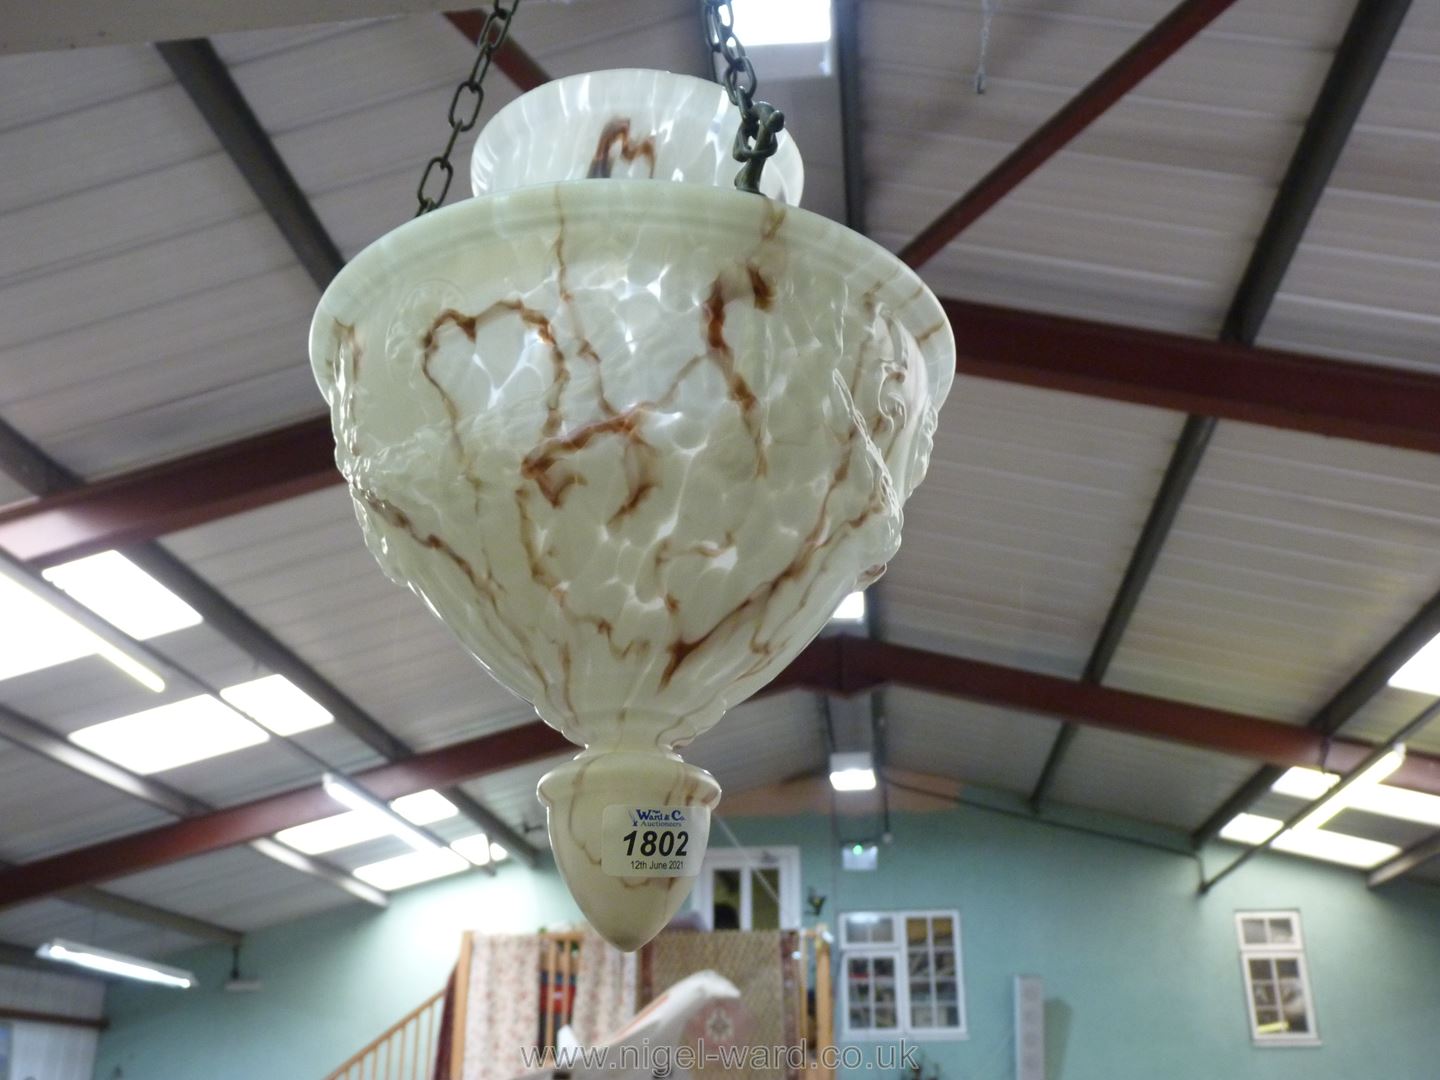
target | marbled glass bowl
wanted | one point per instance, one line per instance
(632, 441)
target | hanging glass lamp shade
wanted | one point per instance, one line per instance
(632, 435)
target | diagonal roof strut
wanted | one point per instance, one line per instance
(1153, 49)
(1357, 63)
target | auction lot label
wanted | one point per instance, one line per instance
(653, 841)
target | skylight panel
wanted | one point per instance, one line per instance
(411, 869)
(1421, 672)
(352, 827)
(123, 595)
(782, 22)
(172, 735)
(34, 635)
(278, 704)
(1382, 799)
(1313, 843)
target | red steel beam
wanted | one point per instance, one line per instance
(193, 490)
(1147, 54)
(1297, 391)
(842, 665)
(867, 664)
(256, 820)
(519, 66)
(30, 1016)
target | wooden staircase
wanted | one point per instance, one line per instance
(404, 1051)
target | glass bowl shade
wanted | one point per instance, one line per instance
(632, 442)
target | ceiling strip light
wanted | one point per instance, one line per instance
(1301, 830)
(362, 802)
(852, 771)
(106, 962)
(297, 860)
(1383, 800)
(42, 627)
(352, 827)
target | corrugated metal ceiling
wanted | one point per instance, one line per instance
(148, 307)
(1017, 540)
(1293, 560)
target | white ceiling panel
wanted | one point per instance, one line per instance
(510, 793)
(1016, 541)
(765, 741)
(968, 741)
(1390, 710)
(10, 490)
(300, 567)
(46, 808)
(1292, 561)
(1147, 779)
(1365, 283)
(1147, 218)
(237, 887)
(41, 87)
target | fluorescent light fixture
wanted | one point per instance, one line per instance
(412, 868)
(852, 771)
(782, 22)
(1381, 799)
(1343, 797)
(123, 595)
(35, 634)
(851, 609)
(347, 794)
(113, 963)
(170, 736)
(278, 704)
(476, 848)
(351, 828)
(1313, 843)
(1421, 672)
(498, 853)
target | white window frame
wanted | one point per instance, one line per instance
(1292, 950)
(785, 859)
(897, 948)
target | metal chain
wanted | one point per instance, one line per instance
(492, 36)
(760, 122)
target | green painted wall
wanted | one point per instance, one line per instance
(1142, 976)
(332, 983)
